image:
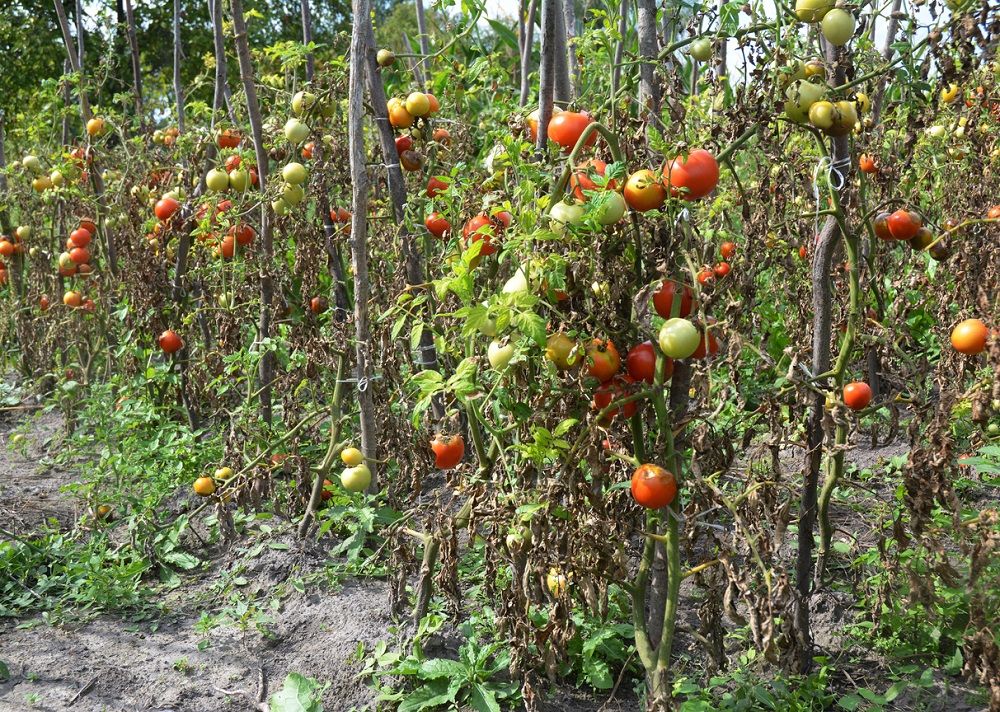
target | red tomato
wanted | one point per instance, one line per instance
(170, 342)
(79, 255)
(706, 349)
(617, 388)
(318, 305)
(727, 250)
(80, 237)
(640, 363)
(603, 360)
(243, 233)
(448, 450)
(904, 224)
(706, 276)
(403, 143)
(435, 186)
(232, 163)
(653, 487)
(663, 300)
(326, 493)
(165, 208)
(721, 270)
(88, 225)
(229, 139)
(644, 192)
(228, 247)
(566, 127)
(486, 229)
(857, 395)
(581, 181)
(695, 177)
(437, 225)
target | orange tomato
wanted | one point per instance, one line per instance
(653, 487)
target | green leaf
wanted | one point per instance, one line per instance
(564, 427)
(504, 33)
(431, 695)
(4, 671)
(439, 667)
(896, 690)
(532, 326)
(296, 695)
(483, 699)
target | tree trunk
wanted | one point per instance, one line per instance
(562, 93)
(136, 67)
(80, 39)
(67, 98)
(360, 32)
(178, 87)
(527, 47)
(413, 260)
(822, 314)
(616, 72)
(546, 71)
(649, 48)
(267, 360)
(3, 155)
(425, 45)
(307, 38)
(569, 22)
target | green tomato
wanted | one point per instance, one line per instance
(302, 101)
(679, 338)
(701, 49)
(217, 180)
(801, 95)
(239, 180)
(993, 429)
(500, 355)
(838, 27)
(563, 214)
(812, 10)
(613, 209)
(357, 478)
(294, 173)
(296, 131)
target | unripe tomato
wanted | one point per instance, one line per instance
(838, 27)
(448, 451)
(72, 299)
(356, 479)
(351, 456)
(204, 486)
(679, 338)
(880, 226)
(969, 337)
(644, 192)
(653, 487)
(701, 49)
(857, 395)
(385, 58)
(400, 118)
(562, 351)
(603, 360)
